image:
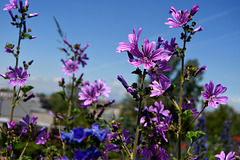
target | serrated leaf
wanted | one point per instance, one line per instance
(186, 114)
(25, 89)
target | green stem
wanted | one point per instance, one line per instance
(13, 103)
(138, 118)
(179, 134)
(25, 147)
(194, 118)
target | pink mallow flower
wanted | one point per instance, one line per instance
(42, 136)
(221, 156)
(147, 57)
(158, 88)
(211, 96)
(70, 67)
(16, 76)
(181, 18)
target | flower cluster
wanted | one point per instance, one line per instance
(90, 92)
(80, 136)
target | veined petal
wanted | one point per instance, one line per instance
(219, 89)
(21, 83)
(148, 47)
(211, 103)
(209, 88)
(205, 96)
(148, 65)
(136, 62)
(221, 100)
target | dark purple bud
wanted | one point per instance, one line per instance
(63, 62)
(101, 112)
(8, 50)
(115, 127)
(66, 42)
(159, 42)
(70, 118)
(109, 103)
(29, 97)
(131, 91)
(80, 77)
(13, 18)
(194, 9)
(21, 5)
(199, 70)
(122, 80)
(32, 15)
(63, 49)
(29, 63)
(63, 81)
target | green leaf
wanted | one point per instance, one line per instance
(25, 89)
(195, 135)
(62, 94)
(186, 114)
(76, 111)
(27, 35)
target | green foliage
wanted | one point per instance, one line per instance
(215, 121)
(195, 135)
(26, 89)
(186, 114)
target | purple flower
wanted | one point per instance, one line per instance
(88, 95)
(16, 76)
(161, 66)
(197, 29)
(11, 125)
(188, 105)
(26, 121)
(229, 156)
(98, 135)
(169, 48)
(133, 39)
(154, 153)
(199, 70)
(81, 58)
(70, 67)
(112, 147)
(158, 88)
(89, 153)
(211, 96)
(161, 126)
(147, 57)
(101, 89)
(181, 18)
(194, 10)
(11, 6)
(42, 137)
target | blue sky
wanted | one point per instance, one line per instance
(104, 24)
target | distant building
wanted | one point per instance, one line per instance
(31, 107)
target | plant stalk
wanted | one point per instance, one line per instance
(138, 118)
